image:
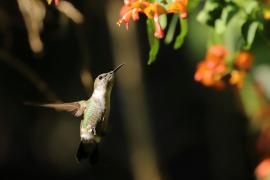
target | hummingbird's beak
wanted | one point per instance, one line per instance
(118, 67)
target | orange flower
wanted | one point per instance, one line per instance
(237, 78)
(179, 6)
(263, 169)
(217, 52)
(211, 71)
(131, 9)
(210, 74)
(244, 60)
(154, 10)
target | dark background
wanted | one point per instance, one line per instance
(199, 133)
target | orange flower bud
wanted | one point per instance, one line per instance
(237, 78)
(244, 60)
(217, 52)
(263, 169)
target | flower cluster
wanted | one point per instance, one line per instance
(213, 70)
(132, 8)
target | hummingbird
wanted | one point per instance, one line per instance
(95, 112)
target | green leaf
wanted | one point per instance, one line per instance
(180, 38)
(165, 1)
(153, 42)
(249, 97)
(249, 30)
(171, 30)
(214, 38)
(211, 12)
(163, 20)
(250, 6)
(227, 13)
(196, 37)
(169, 1)
(193, 5)
(233, 39)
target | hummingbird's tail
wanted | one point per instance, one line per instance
(88, 151)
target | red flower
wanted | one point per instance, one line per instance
(154, 10)
(158, 32)
(56, 2)
(131, 9)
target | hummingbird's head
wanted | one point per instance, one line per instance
(106, 80)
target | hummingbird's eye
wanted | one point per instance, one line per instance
(100, 77)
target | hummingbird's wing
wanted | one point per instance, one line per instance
(77, 108)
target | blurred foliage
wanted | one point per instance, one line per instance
(233, 27)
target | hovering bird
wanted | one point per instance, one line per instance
(95, 113)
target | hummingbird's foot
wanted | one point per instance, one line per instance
(94, 131)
